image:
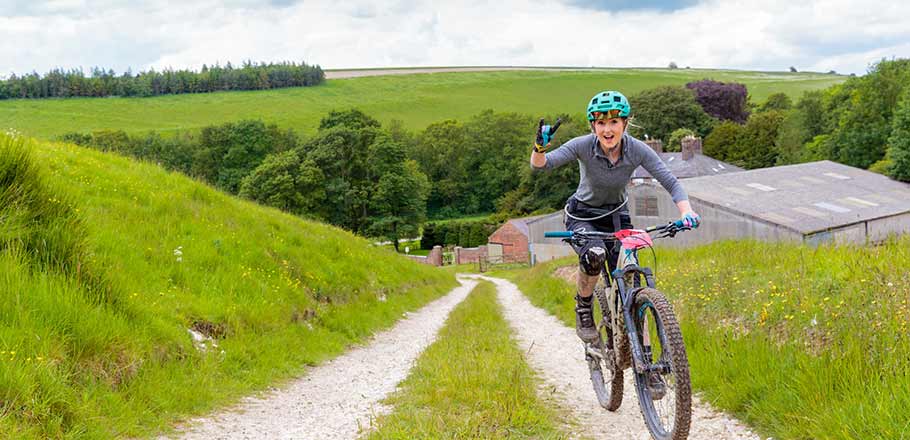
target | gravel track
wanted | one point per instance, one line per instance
(340, 398)
(334, 400)
(554, 351)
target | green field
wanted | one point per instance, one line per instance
(106, 262)
(417, 100)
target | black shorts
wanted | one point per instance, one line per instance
(605, 224)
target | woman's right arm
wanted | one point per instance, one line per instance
(565, 153)
(538, 160)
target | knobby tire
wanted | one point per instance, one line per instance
(652, 303)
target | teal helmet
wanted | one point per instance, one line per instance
(610, 104)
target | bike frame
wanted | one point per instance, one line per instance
(623, 288)
(622, 285)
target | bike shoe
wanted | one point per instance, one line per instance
(584, 324)
(657, 386)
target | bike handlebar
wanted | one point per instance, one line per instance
(670, 229)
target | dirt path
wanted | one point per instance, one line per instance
(335, 399)
(555, 352)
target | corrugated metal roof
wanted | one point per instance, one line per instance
(698, 165)
(828, 195)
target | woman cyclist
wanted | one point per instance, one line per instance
(606, 159)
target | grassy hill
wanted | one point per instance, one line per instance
(417, 100)
(106, 263)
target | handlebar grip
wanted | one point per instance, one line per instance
(557, 234)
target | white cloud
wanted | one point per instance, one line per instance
(818, 35)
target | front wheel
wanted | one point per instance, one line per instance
(606, 375)
(664, 389)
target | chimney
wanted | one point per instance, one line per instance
(690, 146)
(655, 145)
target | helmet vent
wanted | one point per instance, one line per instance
(617, 99)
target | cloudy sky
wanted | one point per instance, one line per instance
(845, 36)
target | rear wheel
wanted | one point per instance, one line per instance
(664, 389)
(606, 377)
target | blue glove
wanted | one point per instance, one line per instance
(545, 135)
(690, 220)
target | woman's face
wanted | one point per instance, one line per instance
(609, 132)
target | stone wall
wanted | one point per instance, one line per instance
(469, 255)
(435, 257)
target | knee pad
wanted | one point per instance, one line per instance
(592, 261)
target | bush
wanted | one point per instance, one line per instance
(664, 109)
(777, 101)
(464, 233)
(430, 236)
(724, 101)
(899, 142)
(792, 136)
(722, 140)
(675, 142)
(755, 145)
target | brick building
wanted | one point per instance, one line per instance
(509, 243)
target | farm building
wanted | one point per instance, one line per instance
(521, 240)
(812, 202)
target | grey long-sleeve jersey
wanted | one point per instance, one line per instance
(603, 183)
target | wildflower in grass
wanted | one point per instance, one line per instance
(179, 253)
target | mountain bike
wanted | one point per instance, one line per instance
(638, 330)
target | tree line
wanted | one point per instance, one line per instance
(59, 83)
(385, 181)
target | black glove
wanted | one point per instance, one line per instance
(545, 135)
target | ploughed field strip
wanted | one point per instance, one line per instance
(334, 400)
(473, 382)
(556, 353)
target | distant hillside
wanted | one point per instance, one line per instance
(417, 100)
(106, 263)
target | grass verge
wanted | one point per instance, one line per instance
(473, 382)
(798, 342)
